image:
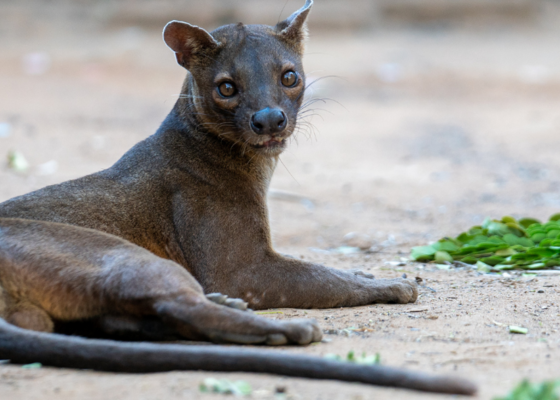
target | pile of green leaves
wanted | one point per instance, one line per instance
(499, 245)
(538, 391)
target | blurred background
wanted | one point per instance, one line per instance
(437, 113)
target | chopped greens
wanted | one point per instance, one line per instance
(499, 245)
(352, 358)
(225, 386)
(548, 390)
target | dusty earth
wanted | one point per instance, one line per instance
(429, 131)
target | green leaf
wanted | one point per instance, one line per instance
(465, 237)
(538, 237)
(32, 366)
(527, 222)
(369, 360)
(511, 239)
(552, 263)
(352, 358)
(333, 357)
(478, 239)
(466, 250)
(516, 229)
(423, 253)
(442, 256)
(537, 266)
(525, 242)
(445, 245)
(497, 228)
(487, 246)
(507, 219)
(518, 329)
(469, 260)
(506, 252)
(495, 239)
(494, 260)
(17, 161)
(225, 386)
(482, 267)
(545, 252)
(503, 267)
(539, 391)
(550, 226)
(524, 256)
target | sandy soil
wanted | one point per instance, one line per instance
(429, 132)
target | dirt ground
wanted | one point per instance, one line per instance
(428, 132)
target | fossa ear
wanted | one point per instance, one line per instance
(188, 41)
(294, 28)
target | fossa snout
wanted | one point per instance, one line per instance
(269, 121)
(270, 124)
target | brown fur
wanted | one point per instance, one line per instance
(195, 192)
(181, 214)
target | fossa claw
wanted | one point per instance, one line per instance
(222, 299)
(217, 298)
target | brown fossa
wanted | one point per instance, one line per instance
(173, 240)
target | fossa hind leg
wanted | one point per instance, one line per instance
(21, 313)
(164, 289)
(73, 273)
(29, 316)
(135, 328)
(191, 315)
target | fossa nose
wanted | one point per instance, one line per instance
(268, 121)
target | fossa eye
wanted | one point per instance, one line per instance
(289, 79)
(227, 89)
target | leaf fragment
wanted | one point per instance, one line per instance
(422, 253)
(225, 386)
(518, 329)
(17, 162)
(442, 256)
(352, 358)
(32, 366)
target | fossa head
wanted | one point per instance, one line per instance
(246, 82)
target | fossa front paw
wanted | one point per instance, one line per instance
(302, 331)
(398, 290)
(297, 331)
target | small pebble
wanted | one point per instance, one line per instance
(280, 389)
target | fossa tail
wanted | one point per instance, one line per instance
(22, 346)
